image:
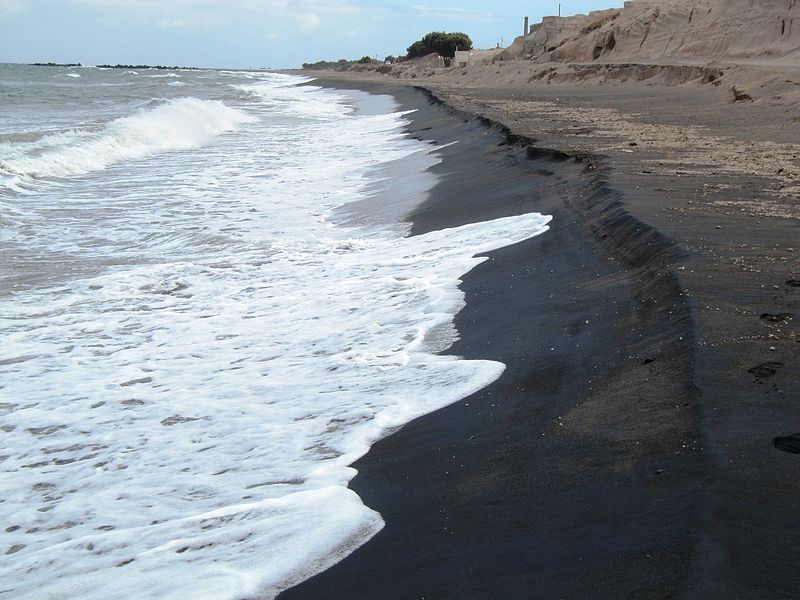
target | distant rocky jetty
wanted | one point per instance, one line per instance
(162, 67)
(52, 64)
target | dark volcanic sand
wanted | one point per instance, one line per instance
(591, 468)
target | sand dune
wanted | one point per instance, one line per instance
(748, 49)
(676, 30)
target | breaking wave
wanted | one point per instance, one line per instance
(178, 124)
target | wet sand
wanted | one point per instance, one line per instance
(630, 448)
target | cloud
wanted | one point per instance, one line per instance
(172, 24)
(11, 7)
(302, 15)
(235, 6)
(308, 21)
(335, 7)
(443, 12)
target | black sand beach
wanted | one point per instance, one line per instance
(598, 465)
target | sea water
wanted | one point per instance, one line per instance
(192, 350)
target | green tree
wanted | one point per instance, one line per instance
(417, 49)
(440, 42)
(456, 41)
(435, 41)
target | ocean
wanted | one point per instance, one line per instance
(210, 306)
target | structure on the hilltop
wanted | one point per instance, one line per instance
(461, 58)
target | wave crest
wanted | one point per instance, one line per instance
(178, 124)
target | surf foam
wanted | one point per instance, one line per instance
(174, 125)
(184, 392)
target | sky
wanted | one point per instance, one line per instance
(253, 33)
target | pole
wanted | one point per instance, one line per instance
(559, 9)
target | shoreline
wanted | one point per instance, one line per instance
(717, 520)
(568, 475)
(718, 178)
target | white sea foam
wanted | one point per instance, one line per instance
(174, 125)
(283, 95)
(204, 354)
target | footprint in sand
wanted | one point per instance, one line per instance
(765, 370)
(788, 443)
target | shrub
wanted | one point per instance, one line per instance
(339, 65)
